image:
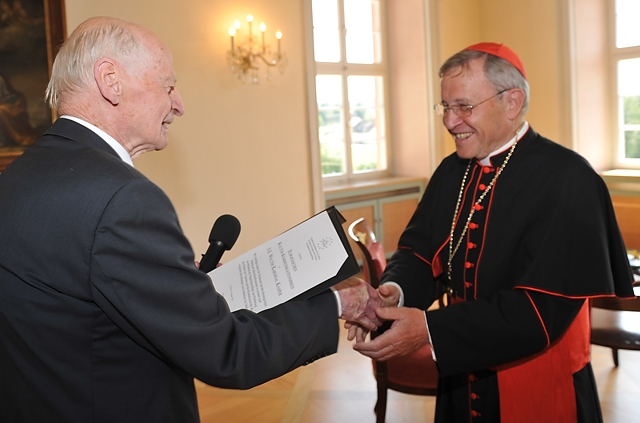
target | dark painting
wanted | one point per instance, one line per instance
(31, 31)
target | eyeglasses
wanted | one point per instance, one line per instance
(462, 110)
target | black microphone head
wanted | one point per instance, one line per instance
(225, 230)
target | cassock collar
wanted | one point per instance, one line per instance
(523, 130)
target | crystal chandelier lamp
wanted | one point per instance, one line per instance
(249, 53)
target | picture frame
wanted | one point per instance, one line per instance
(31, 33)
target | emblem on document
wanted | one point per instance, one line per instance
(324, 243)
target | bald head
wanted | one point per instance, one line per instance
(119, 77)
(96, 38)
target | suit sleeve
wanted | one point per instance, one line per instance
(144, 279)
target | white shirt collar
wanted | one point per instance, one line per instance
(124, 155)
(523, 130)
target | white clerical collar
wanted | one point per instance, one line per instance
(523, 130)
(106, 137)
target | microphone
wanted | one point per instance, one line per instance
(224, 234)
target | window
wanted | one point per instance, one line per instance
(350, 87)
(626, 59)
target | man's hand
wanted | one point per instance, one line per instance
(390, 295)
(359, 303)
(408, 332)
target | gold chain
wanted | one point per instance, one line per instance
(452, 250)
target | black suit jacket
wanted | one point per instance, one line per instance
(104, 317)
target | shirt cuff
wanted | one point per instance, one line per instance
(339, 303)
(426, 322)
(401, 300)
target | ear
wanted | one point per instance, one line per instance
(107, 76)
(515, 100)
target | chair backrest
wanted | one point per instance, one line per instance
(615, 303)
(374, 260)
(414, 373)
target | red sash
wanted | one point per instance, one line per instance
(540, 389)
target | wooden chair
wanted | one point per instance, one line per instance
(414, 373)
(615, 323)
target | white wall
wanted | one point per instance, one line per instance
(592, 90)
(410, 102)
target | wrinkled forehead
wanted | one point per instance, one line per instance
(157, 60)
(464, 82)
(467, 69)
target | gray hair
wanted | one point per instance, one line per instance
(92, 40)
(500, 73)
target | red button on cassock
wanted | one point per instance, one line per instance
(482, 187)
(478, 207)
(471, 245)
(468, 265)
(487, 169)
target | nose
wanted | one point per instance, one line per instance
(450, 119)
(176, 103)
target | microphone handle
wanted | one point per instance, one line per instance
(212, 257)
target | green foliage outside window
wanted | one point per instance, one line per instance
(331, 159)
(632, 144)
(632, 117)
(632, 110)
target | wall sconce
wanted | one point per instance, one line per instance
(245, 56)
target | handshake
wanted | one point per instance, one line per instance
(365, 309)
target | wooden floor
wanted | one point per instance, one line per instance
(341, 389)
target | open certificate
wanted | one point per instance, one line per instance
(299, 263)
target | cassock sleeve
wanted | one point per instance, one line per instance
(508, 326)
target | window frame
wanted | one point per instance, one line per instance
(344, 70)
(616, 55)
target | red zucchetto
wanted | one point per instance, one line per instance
(501, 51)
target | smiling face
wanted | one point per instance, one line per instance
(490, 124)
(150, 100)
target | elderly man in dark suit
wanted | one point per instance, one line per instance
(103, 315)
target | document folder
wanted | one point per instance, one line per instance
(295, 265)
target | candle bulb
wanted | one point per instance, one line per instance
(250, 19)
(232, 32)
(263, 28)
(278, 36)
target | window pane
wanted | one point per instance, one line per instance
(629, 108)
(362, 20)
(331, 124)
(366, 107)
(632, 144)
(326, 31)
(627, 13)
